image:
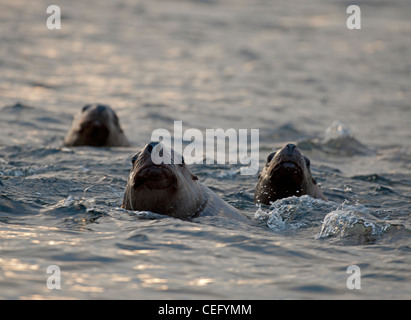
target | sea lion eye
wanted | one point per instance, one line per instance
(134, 159)
(307, 162)
(86, 107)
(270, 157)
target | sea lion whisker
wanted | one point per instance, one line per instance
(93, 185)
(129, 197)
(187, 183)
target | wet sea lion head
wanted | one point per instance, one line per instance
(166, 188)
(96, 125)
(287, 173)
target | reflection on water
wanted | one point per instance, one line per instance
(214, 65)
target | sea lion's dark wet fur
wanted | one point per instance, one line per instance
(96, 125)
(286, 173)
(171, 189)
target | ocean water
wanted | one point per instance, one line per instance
(292, 70)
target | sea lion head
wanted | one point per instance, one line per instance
(96, 125)
(286, 173)
(166, 188)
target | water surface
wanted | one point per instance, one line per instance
(287, 69)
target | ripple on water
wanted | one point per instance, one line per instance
(294, 213)
(349, 224)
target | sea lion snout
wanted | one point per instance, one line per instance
(95, 133)
(155, 177)
(101, 108)
(152, 175)
(287, 158)
(96, 111)
(290, 148)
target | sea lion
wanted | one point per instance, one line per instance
(286, 173)
(171, 189)
(96, 125)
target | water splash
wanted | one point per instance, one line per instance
(352, 224)
(337, 140)
(349, 223)
(337, 130)
(294, 213)
(71, 202)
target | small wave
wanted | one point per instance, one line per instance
(123, 214)
(347, 224)
(352, 226)
(70, 201)
(230, 173)
(75, 211)
(294, 213)
(357, 225)
(29, 171)
(17, 107)
(337, 130)
(337, 140)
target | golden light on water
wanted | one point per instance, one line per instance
(135, 252)
(17, 265)
(147, 266)
(201, 282)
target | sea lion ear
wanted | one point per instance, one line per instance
(313, 180)
(194, 177)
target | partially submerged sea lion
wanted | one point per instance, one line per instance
(171, 189)
(286, 173)
(96, 125)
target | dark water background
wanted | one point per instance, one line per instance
(287, 69)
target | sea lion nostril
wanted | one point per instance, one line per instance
(101, 108)
(290, 148)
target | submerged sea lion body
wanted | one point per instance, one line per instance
(286, 173)
(171, 189)
(96, 125)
